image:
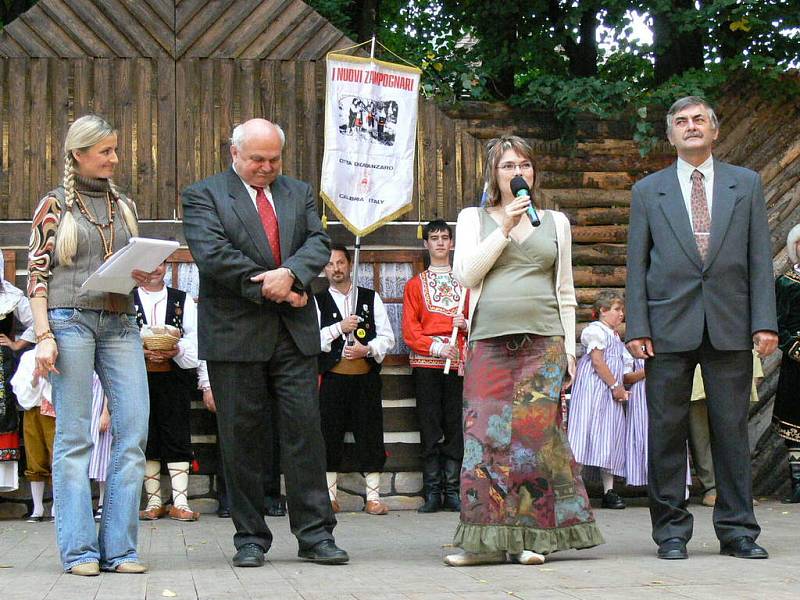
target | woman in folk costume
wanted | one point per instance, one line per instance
(786, 414)
(75, 228)
(13, 303)
(522, 496)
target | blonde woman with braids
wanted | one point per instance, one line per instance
(75, 228)
(522, 496)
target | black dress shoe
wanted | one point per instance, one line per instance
(249, 555)
(672, 549)
(743, 547)
(276, 506)
(325, 552)
(224, 512)
(612, 500)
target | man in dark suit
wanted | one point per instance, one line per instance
(258, 242)
(699, 291)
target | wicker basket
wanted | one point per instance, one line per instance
(160, 337)
(162, 341)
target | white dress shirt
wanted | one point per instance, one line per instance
(13, 300)
(253, 191)
(685, 171)
(202, 375)
(28, 393)
(154, 305)
(383, 341)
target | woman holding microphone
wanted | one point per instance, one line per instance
(521, 493)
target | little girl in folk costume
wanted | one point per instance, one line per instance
(596, 425)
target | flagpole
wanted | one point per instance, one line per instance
(357, 253)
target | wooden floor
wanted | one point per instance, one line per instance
(398, 557)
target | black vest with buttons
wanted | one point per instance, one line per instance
(329, 314)
(176, 300)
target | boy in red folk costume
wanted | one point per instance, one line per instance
(433, 305)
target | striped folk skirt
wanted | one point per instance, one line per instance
(101, 452)
(520, 487)
(596, 424)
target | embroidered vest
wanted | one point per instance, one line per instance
(329, 314)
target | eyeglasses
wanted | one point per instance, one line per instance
(508, 167)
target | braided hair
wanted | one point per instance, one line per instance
(84, 133)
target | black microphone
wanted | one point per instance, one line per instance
(519, 187)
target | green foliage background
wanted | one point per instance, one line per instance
(528, 52)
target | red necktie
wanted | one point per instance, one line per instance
(701, 220)
(270, 223)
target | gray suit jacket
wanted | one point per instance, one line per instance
(228, 243)
(670, 295)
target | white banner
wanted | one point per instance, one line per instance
(370, 137)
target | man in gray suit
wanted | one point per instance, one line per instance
(699, 291)
(258, 243)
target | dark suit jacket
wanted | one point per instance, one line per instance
(670, 294)
(228, 243)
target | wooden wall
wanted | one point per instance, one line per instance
(175, 118)
(764, 135)
(39, 96)
(173, 76)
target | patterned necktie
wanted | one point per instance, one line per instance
(701, 220)
(270, 223)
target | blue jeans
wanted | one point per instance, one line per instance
(108, 343)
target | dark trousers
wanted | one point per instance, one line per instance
(242, 392)
(353, 403)
(439, 409)
(168, 436)
(272, 465)
(727, 376)
(272, 457)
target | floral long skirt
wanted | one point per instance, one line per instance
(520, 486)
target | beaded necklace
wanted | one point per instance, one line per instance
(108, 243)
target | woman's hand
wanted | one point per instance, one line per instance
(512, 213)
(46, 354)
(570, 373)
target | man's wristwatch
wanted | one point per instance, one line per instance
(614, 386)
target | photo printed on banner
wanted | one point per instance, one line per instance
(372, 121)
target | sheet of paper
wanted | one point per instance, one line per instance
(114, 275)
